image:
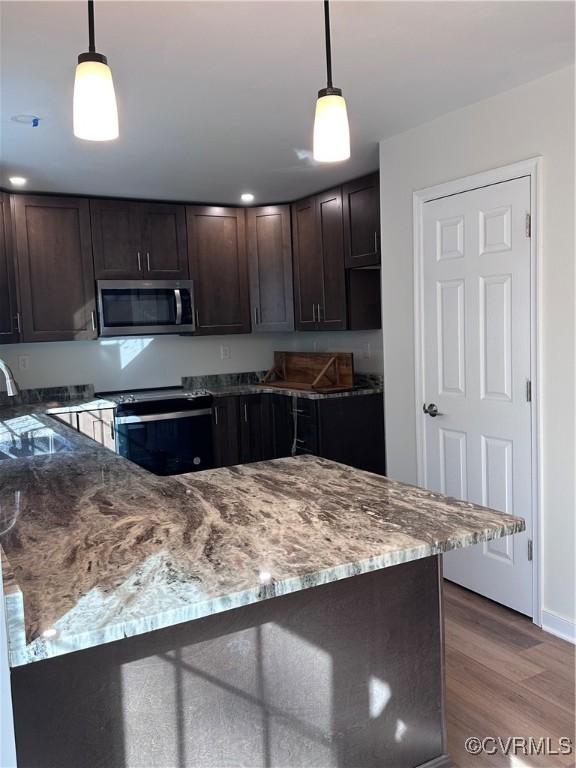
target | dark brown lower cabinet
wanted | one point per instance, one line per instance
(242, 429)
(55, 270)
(226, 431)
(349, 430)
(255, 433)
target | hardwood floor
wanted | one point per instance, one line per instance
(504, 677)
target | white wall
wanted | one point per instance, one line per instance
(162, 361)
(534, 119)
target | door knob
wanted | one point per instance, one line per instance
(431, 410)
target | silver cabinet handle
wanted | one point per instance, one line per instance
(17, 320)
(148, 260)
(313, 313)
(255, 315)
(139, 262)
(375, 242)
(197, 316)
(319, 320)
(93, 319)
(245, 413)
(216, 415)
(178, 300)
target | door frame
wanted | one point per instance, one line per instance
(532, 168)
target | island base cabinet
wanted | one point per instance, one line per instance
(323, 676)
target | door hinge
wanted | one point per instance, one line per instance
(528, 225)
(529, 390)
(530, 549)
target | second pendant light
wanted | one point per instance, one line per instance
(331, 129)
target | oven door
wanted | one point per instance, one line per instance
(167, 443)
(145, 307)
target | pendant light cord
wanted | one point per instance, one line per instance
(328, 46)
(91, 43)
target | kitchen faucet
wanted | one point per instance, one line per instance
(12, 388)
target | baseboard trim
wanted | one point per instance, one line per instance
(438, 762)
(559, 626)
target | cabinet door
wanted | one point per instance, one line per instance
(307, 264)
(98, 425)
(282, 425)
(9, 318)
(116, 240)
(361, 206)
(225, 431)
(55, 271)
(270, 268)
(251, 429)
(163, 229)
(217, 257)
(332, 310)
(351, 431)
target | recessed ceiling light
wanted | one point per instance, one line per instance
(247, 197)
(17, 181)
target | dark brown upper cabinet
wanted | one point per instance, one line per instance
(319, 275)
(218, 266)
(361, 207)
(9, 317)
(164, 240)
(54, 268)
(138, 240)
(270, 268)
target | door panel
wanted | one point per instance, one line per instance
(361, 206)
(270, 267)
(116, 239)
(307, 264)
(55, 270)
(217, 255)
(8, 308)
(163, 229)
(331, 236)
(251, 429)
(477, 363)
(225, 431)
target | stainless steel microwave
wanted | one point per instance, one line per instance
(145, 307)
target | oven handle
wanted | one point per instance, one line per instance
(178, 298)
(163, 416)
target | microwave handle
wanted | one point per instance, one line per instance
(178, 299)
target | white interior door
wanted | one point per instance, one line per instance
(476, 254)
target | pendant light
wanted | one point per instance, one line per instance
(95, 110)
(331, 130)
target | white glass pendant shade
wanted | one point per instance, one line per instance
(331, 129)
(95, 110)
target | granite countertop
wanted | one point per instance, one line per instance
(97, 549)
(257, 389)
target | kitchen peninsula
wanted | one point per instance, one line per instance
(286, 612)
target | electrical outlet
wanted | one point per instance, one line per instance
(23, 362)
(225, 352)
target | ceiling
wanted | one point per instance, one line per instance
(216, 98)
